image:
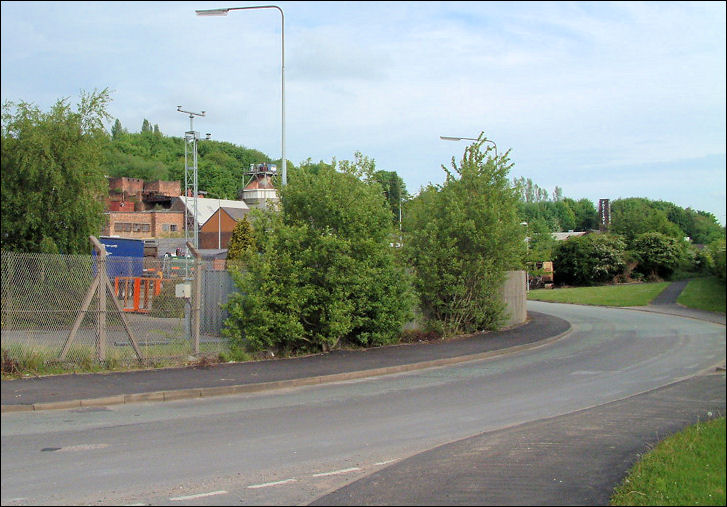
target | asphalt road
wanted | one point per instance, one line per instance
(359, 441)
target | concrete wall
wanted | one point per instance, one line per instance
(515, 295)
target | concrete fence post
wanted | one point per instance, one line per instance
(101, 294)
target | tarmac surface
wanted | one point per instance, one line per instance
(574, 459)
(74, 390)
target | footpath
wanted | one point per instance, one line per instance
(574, 459)
(75, 390)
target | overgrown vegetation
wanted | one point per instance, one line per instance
(687, 468)
(322, 274)
(588, 260)
(461, 238)
(52, 174)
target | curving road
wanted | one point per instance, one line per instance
(299, 445)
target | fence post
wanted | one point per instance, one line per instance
(196, 295)
(101, 292)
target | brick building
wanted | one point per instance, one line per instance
(129, 194)
(144, 224)
(217, 230)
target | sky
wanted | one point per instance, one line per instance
(605, 100)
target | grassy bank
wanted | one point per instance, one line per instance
(687, 468)
(607, 295)
(704, 294)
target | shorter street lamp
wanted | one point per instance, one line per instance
(527, 249)
(450, 138)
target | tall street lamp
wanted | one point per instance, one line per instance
(223, 12)
(450, 138)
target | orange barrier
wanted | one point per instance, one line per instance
(135, 292)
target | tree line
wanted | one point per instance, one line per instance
(320, 272)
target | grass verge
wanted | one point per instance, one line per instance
(704, 294)
(640, 294)
(687, 468)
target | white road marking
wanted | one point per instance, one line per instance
(268, 484)
(386, 462)
(82, 447)
(192, 497)
(336, 472)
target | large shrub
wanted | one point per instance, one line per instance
(51, 174)
(589, 259)
(461, 238)
(324, 275)
(658, 255)
(717, 252)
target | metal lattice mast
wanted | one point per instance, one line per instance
(191, 175)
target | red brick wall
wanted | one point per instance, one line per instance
(130, 186)
(171, 188)
(144, 224)
(121, 206)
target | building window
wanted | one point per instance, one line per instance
(127, 227)
(146, 227)
(173, 227)
(118, 227)
(165, 227)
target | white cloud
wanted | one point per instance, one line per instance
(572, 88)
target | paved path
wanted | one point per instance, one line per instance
(575, 459)
(68, 391)
(666, 302)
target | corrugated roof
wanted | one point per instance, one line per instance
(206, 207)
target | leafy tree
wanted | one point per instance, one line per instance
(325, 275)
(394, 190)
(717, 253)
(658, 254)
(584, 212)
(461, 237)
(242, 241)
(589, 259)
(633, 216)
(541, 243)
(146, 127)
(528, 191)
(116, 130)
(52, 178)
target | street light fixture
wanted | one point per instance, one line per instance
(450, 138)
(224, 12)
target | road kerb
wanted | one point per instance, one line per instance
(206, 392)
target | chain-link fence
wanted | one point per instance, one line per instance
(62, 310)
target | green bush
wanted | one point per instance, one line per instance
(461, 238)
(324, 275)
(717, 252)
(589, 259)
(659, 255)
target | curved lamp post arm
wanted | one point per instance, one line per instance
(450, 138)
(224, 12)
